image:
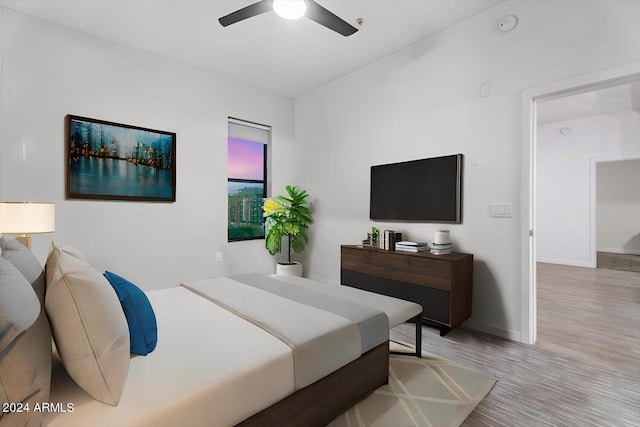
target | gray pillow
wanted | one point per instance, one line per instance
(89, 327)
(19, 306)
(25, 352)
(24, 260)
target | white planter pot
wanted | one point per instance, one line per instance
(294, 269)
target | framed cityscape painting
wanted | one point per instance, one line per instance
(114, 161)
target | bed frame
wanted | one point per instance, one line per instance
(321, 402)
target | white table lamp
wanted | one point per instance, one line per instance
(26, 218)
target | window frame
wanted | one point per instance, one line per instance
(264, 181)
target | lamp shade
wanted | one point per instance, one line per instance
(27, 217)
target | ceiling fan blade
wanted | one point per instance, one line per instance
(322, 16)
(247, 12)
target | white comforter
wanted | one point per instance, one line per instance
(210, 368)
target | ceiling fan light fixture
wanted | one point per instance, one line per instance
(290, 9)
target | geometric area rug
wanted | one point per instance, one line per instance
(429, 392)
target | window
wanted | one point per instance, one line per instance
(247, 178)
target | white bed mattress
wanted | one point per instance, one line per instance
(220, 381)
(321, 341)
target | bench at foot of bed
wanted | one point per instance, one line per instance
(397, 310)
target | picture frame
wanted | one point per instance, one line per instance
(115, 161)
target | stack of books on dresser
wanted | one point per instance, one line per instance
(407, 246)
(388, 239)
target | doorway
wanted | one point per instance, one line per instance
(585, 173)
(530, 102)
(587, 202)
(617, 196)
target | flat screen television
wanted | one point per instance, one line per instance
(425, 190)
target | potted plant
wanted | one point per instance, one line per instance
(290, 217)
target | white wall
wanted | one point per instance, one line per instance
(618, 206)
(424, 101)
(1, 96)
(421, 102)
(51, 71)
(566, 182)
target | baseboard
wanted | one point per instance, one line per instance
(492, 330)
(565, 262)
(620, 251)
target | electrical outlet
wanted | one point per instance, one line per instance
(219, 257)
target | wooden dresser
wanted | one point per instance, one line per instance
(442, 284)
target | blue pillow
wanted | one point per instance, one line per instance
(143, 329)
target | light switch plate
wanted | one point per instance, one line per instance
(501, 210)
(485, 89)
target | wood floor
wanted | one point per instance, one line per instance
(593, 381)
(592, 314)
(627, 262)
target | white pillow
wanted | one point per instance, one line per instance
(64, 247)
(89, 326)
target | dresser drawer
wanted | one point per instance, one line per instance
(430, 272)
(354, 279)
(389, 261)
(354, 260)
(430, 267)
(435, 303)
(389, 266)
(389, 287)
(356, 255)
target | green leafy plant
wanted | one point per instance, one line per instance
(290, 217)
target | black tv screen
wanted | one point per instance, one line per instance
(426, 190)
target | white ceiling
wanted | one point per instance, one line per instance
(284, 57)
(606, 99)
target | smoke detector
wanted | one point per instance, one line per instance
(507, 23)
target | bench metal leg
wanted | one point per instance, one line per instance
(418, 320)
(418, 353)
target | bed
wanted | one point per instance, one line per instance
(231, 371)
(242, 350)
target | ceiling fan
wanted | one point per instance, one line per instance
(292, 9)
